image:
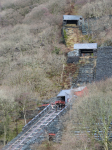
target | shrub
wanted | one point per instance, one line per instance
(56, 50)
(65, 35)
(96, 9)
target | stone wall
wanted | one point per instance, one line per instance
(72, 59)
(99, 24)
(104, 63)
(52, 127)
(86, 73)
(56, 125)
(93, 69)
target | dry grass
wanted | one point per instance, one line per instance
(84, 110)
(83, 141)
(96, 8)
(29, 36)
(99, 12)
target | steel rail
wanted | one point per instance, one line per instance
(38, 115)
(32, 131)
(27, 130)
(37, 127)
(50, 121)
(41, 128)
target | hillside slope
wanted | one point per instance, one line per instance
(31, 52)
(32, 49)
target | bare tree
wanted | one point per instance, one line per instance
(23, 101)
(15, 114)
(94, 115)
(5, 112)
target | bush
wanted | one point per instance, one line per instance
(96, 9)
(56, 50)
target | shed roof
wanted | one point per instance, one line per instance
(85, 46)
(64, 92)
(71, 17)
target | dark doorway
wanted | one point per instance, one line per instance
(60, 102)
(62, 98)
(72, 22)
(86, 52)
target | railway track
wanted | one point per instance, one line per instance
(35, 131)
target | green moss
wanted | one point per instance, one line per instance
(56, 50)
(88, 38)
(65, 34)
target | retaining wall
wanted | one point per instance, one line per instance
(73, 59)
(53, 126)
(104, 63)
(28, 125)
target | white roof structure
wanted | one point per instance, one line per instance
(64, 92)
(71, 17)
(85, 46)
(67, 93)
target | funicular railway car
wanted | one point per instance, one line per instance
(60, 103)
(62, 98)
(65, 96)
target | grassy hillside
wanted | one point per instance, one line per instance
(31, 53)
(31, 58)
(90, 116)
(99, 16)
(32, 49)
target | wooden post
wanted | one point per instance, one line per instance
(62, 73)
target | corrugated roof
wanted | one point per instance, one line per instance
(71, 17)
(85, 46)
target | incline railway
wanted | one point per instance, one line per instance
(44, 124)
(33, 132)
